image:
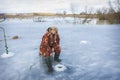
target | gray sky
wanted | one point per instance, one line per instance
(18, 6)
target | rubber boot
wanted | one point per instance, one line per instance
(56, 57)
(49, 64)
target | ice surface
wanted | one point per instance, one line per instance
(97, 60)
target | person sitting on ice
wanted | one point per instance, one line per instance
(50, 43)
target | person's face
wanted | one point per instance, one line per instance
(53, 31)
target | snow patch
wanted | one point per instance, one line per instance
(60, 67)
(84, 42)
(4, 55)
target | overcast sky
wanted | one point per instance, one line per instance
(19, 6)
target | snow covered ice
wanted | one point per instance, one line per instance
(5, 55)
(98, 59)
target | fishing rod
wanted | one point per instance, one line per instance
(6, 47)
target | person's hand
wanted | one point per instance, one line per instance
(44, 54)
(52, 49)
(51, 54)
(40, 53)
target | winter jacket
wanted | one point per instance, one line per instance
(48, 42)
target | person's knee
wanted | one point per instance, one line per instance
(57, 51)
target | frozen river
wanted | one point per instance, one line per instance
(90, 52)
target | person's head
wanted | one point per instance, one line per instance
(49, 29)
(54, 30)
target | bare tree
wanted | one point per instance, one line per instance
(114, 11)
(88, 12)
(111, 10)
(118, 5)
(72, 6)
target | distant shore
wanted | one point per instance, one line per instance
(112, 18)
(30, 15)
